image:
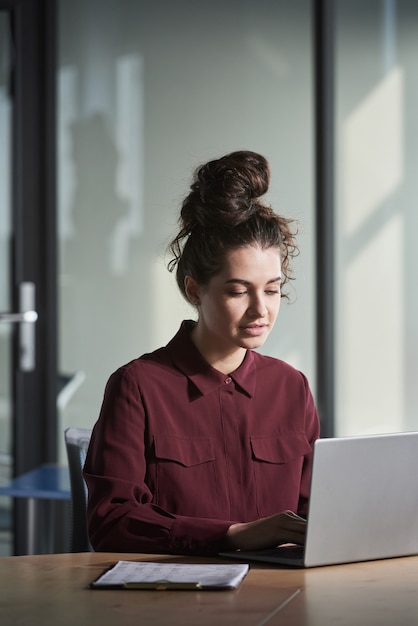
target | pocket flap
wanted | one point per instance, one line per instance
(188, 451)
(288, 446)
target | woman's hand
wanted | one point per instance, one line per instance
(268, 532)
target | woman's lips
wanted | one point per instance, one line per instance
(255, 330)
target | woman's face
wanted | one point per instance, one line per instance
(239, 306)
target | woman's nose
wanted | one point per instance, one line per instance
(258, 306)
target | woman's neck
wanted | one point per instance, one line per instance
(227, 364)
(223, 361)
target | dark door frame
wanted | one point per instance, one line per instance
(34, 256)
(324, 122)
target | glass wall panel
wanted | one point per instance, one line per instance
(377, 219)
(147, 91)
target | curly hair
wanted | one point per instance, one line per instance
(223, 212)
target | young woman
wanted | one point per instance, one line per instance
(204, 444)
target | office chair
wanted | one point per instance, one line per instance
(76, 442)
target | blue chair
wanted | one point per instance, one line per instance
(77, 441)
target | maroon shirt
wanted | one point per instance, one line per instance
(181, 451)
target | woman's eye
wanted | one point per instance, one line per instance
(237, 294)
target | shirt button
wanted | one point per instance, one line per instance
(228, 380)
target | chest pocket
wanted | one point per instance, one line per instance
(281, 449)
(185, 475)
(188, 451)
(277, 467)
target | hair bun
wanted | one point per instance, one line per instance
(228, 187)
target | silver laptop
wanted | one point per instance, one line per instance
(363, 503)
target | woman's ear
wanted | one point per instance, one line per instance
(192, 290)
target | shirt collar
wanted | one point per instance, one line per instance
(188, 359)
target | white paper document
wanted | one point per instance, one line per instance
(162, 576)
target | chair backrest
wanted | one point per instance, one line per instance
(77, 441)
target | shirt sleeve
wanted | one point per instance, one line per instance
(121, 515)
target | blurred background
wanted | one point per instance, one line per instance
(143, 93)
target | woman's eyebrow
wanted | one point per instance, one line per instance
(241, 281)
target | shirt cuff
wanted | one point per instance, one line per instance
(197, 536)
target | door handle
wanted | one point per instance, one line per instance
(26, 317)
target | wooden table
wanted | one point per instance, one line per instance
(52, 589)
